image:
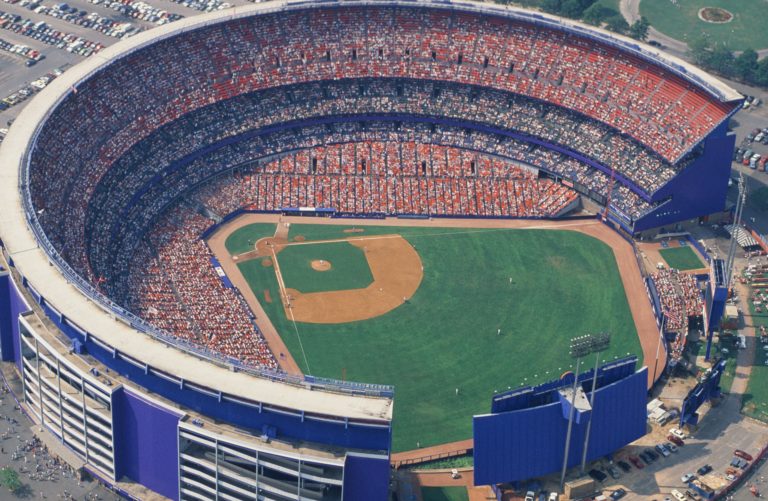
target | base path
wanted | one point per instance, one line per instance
(275, 342)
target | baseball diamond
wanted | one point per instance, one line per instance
(475, 320)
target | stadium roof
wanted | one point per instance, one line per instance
(35, 265)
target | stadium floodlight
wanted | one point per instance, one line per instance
(581, 346)
(600, 342)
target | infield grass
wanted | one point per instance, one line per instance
(540, 287)
(681, 258)
(349, 268)
(680, 20)
(244, 239)
(444, 494)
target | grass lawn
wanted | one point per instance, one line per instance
(444, 494)
(349, 267)
(563, 284)
(681, 21)
(245, 238)
(754, 403)
(682, 258)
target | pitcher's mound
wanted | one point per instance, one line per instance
(320, 265)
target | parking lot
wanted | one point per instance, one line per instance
(721, 432)
(58, 34)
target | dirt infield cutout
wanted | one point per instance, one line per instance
(397, 273)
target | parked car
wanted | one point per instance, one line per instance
(653, 455)
(618, 494)
(662, 450)
(646, 458)
(678, 495)
(687, 478)
(743, 455)
(692, 495)
(739, 463)
(597, 475)
(613, 472)
(704, 469)
(624, 466)
(636, 461)
(677, 432)
(670, 446)
(529, 496)
(675, 440)
(552, 496)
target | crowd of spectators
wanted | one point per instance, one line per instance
(176, 288)
(390, 178)
(680, 298)
(141, 133)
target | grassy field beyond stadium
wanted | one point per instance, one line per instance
(540, 287)
(680, 20)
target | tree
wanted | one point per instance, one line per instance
(700, 51)
(639, 29)
(596, 14)
(617, 24)
(745, 66)
(761, 74)
(551, 6)
(9, 479)
(722, 60)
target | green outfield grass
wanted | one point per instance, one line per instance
(681, 21)
(444, 494)
(244, 239)
(681, 258)
(563, 284)
(349, 268)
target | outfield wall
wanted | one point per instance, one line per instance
(528, 439)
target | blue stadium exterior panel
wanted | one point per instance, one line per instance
(146, 443)
(13, 305)
(366, 476)
(7, 348)
(528, 443)
(700, 189)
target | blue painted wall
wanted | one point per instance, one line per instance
(11, 299)
(698, 190)
(288, 424)
(366, 477)
(146, 443)
(7, 348)
(528, 443)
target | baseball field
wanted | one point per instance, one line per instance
(446, 315)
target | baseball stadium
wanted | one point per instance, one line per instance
(271, 251)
